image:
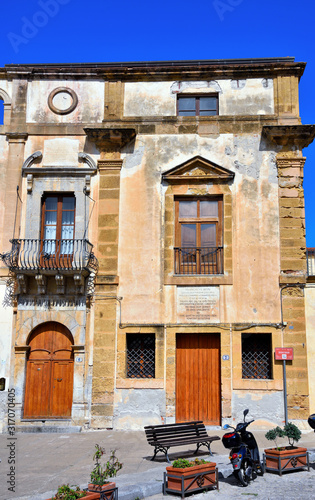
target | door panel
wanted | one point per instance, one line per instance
(49, 373)
(37, 392)
(198, 393)
(62, 386)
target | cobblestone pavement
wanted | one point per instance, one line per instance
(296, 485)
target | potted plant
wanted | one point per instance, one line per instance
(64, 492)
(186, 476)
(284, 458)
(100, 474)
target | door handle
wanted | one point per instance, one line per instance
(58, 379)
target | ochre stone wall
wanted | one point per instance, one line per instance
(293, 278)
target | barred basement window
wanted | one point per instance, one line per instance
(140, 355)
(256, 356)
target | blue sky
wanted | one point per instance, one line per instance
(60, 31)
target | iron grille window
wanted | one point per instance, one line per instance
(256, 356)
(140, 356)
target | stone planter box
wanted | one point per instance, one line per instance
(286, 459)
(190, 479)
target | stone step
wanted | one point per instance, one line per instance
(49, 429)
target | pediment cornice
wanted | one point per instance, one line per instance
(198, 169)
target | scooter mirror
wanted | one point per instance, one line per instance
(226, 426)
(245, 413)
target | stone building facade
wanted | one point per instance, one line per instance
(152, 242)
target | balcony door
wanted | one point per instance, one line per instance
(198, 236)
(49, 373)
(57, 232)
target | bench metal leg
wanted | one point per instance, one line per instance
(162, 449)
(208, 445)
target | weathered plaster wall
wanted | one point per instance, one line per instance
(265, 407)
(236, 97)
(135, 408)
(90, 108)
(310, 339)
(254, 296)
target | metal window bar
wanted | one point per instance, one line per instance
(310, 256)
(50, 254)
(141, 356)
(256, 356)
(198, 260)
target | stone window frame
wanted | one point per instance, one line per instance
(4, 96)
(178, 190)
(276, 383)
(140, 361)
(122, 382)
(198, 221)
(254, 357)
(197, 96)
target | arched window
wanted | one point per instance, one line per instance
(1, 111)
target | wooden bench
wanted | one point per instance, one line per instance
(163, 437)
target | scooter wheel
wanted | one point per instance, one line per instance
(242, 477)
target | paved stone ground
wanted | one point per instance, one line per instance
(45, 461)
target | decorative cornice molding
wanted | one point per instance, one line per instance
(198, 169)
(4, 96)
(33, 158)
(109, 164)
(105, 138)
(13, 137)
(287, 162)
(85, 158)
(292, 135)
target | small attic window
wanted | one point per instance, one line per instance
(198, 105)
(1, 111)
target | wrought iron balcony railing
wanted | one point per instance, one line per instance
(310, 255)
(50, 255)
(198, 260)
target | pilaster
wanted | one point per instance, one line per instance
(292, 279)
(12, 206)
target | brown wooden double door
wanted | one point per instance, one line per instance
(198, 380)
(49, 373)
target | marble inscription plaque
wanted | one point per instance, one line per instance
(198, 304)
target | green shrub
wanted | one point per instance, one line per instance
(182, 463)
(100, 474)
(290, 431)
(66, 493)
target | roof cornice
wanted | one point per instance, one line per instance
(154, 70)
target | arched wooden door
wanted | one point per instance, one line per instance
(49, 373)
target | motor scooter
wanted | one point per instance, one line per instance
(244, 454)
(311, 421)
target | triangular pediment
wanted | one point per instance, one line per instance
(198, 169)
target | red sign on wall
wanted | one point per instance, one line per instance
(284, 353)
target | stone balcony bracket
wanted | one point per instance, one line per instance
(79, 283)
(41, 281)
(21, 283)
(106, 138)
(286, 135)
(60, 283)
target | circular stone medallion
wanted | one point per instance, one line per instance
(62, 100)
